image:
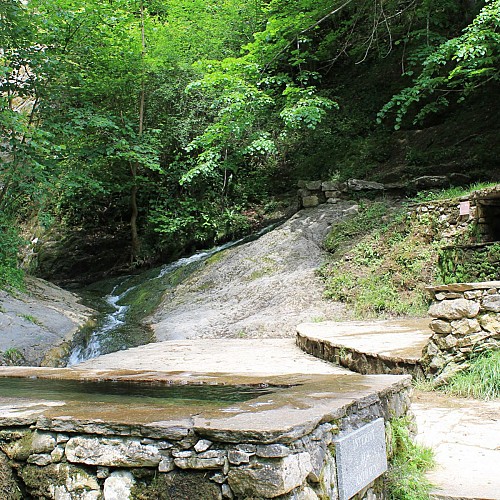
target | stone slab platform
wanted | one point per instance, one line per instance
(391, 346)
(465, 437)
(236, 356)
(301, 405)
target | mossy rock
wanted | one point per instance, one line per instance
(16, 445)
(58, 481)
(9, 489)
(178, 485)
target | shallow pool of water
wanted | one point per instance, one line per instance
(131, 392)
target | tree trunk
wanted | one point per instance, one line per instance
(135, 243)
(134, 236)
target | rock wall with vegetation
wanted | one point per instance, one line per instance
(386, 254)
(466, 322)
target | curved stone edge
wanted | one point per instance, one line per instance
(358, 361)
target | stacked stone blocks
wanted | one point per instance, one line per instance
(466, 321)
(314, 193)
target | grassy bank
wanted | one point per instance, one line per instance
(381, 261)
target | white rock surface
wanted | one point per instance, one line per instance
(118, 485)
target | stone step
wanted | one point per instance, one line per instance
(374, 347)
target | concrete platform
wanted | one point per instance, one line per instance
(465, 437)
(254, 357)
(369, 347)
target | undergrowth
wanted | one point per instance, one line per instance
(382, 259)
(405, 479)
(11, 276)
(480, 381)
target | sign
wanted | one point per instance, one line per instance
(464, 207)
(361, 457)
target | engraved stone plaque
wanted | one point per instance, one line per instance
(361, 458)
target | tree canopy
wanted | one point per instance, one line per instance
(170, 118)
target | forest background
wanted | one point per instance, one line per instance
(139, 130)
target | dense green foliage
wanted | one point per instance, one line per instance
(469, 264)
(456, 68)
(173, 119)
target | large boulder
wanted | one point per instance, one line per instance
(38, 325)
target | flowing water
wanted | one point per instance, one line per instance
(120, 327)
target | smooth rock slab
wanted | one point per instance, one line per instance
(112, 452)
(271, 479)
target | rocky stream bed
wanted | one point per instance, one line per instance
(259, 289)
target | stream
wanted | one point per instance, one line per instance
(123, 302)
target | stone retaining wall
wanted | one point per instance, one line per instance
(64, 459)
(357, 360)
(313, 193)
(466, 321)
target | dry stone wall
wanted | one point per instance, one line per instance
(65, 460)
(466, 321)
(313, 193)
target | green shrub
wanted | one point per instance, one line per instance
(10, 274)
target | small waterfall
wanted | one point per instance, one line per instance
(111, 322)
(118, 316)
